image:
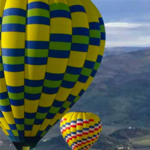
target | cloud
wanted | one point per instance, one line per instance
(124, 25)
(138, 42)
(127, 34)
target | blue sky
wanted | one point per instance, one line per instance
(127, 22)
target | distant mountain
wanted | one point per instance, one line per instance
(120, 92)
(128, 133)
(120, 50)
(110, 143)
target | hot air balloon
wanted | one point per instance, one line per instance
(80, 129)
(49, 54)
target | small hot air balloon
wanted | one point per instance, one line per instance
(50, 51)
(80, 129)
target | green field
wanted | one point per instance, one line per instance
(143, 141)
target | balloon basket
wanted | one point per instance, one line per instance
(20, 146)
(26, 148)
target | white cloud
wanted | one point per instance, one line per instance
(124, 25)
(127, 34)
(139, 42)
(144, 40)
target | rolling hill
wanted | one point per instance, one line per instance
(120, 91)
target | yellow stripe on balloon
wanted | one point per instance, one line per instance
(34, 72)
(9, 117)
(14, 78)
(39, 32)
(16, 4)
(2, 86)
(17, 112)
(13, 40)
(4, 123)
(31, 106)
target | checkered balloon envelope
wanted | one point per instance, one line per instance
(80, 129)
(50, 51)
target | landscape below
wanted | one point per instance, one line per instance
(120, 95)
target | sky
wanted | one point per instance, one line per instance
(127, 22)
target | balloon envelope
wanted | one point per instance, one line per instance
(50, 52)
(80, 129)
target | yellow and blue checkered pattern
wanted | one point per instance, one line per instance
(80, 129)
(49, 54)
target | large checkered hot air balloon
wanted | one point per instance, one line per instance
(49, 54)
(80, 129)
